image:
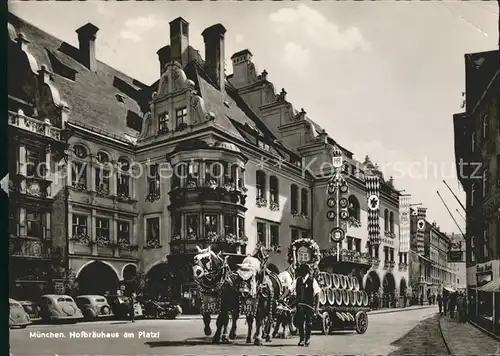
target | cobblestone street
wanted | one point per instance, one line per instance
(385, 336)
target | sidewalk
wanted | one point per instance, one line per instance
(372, 312)
(465, 339)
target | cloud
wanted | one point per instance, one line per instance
(136, 27)
(296, 57)
(305, 21)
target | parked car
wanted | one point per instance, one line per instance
(120, 306)
(93, 306)
(17, 315)
(54, 307)
(32, 309)
(160, 309)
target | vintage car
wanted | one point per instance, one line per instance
(55, 307)
(120, 306)
(17, 315)
(32, 309)
(93, 306)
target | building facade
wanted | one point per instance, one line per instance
(430, 266)
(456, 258)
(477, 154)
(199, 159)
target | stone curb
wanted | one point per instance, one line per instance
(372, 312)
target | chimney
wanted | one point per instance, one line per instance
(241, 63)
(164, 56)
(179, 41)
(86, 40)
(214, 53)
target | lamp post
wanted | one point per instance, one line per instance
(337, 202)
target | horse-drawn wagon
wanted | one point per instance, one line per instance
(343, 305)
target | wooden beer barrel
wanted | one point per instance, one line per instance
(336, 280)
(340, 316)
(343, 281)
(359, 297)
(345, 297)
(349, 283)
(328, 280)
(338, 297)
(352, 297)
(330, 296)
(322, 297)
(365, 299)
(355, 283)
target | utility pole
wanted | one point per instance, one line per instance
(446, 206)
(458, 200)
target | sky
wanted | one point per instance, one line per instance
(382, 78)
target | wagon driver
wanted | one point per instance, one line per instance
(307, 291)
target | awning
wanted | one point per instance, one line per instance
(451, 290)
(492, 286)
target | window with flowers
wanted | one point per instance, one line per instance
(211, 227)
(275, 235)
(153, 230)
(354, 208)
(163, 123)
(261, 233)
(229, 224)
(274, 189)
(294, 199)
(241, 227)
(79, 225)
(102, 180)
(260, 184)
(154, 180)
(123, 232)
(192, 226)
(34, 225)
(123, 179)
(102, 229)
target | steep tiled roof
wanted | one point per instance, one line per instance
(103, 100)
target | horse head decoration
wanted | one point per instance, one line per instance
(207, 266)
(249, 271)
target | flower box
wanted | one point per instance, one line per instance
(81, 239)
(152, 244)
(353, 222)
(261, 203)
(212, 236)
(79, 187)
(102, 241)
(102, 191)
(124, 198)
(274, 206)
(152, 197)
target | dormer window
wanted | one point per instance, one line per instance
(264, 146)
(181, 118)
(163, 123)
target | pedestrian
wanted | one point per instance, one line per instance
(421, 300)
(440, 303)
(404, 300)
(307, 291)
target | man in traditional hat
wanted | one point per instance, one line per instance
(307, 291)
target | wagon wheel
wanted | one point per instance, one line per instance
(325, 323)
(361, 322)
(293, 327)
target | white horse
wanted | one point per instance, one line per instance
(285, 317)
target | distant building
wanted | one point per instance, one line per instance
(430, 269)
(477, 155)
(226, 162)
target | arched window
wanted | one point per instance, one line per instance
(260, 184)
(294, 199)
(391, 222)
(102, 174)
(354, 208)
(304, 202)
(274, 190)
(386, 220)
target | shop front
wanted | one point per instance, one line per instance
(484, 299)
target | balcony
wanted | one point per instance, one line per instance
(389, 265)
(42, 128)
(355, 256)
(29, 248)
(403, 266)
(32, 187)
(194, 193)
